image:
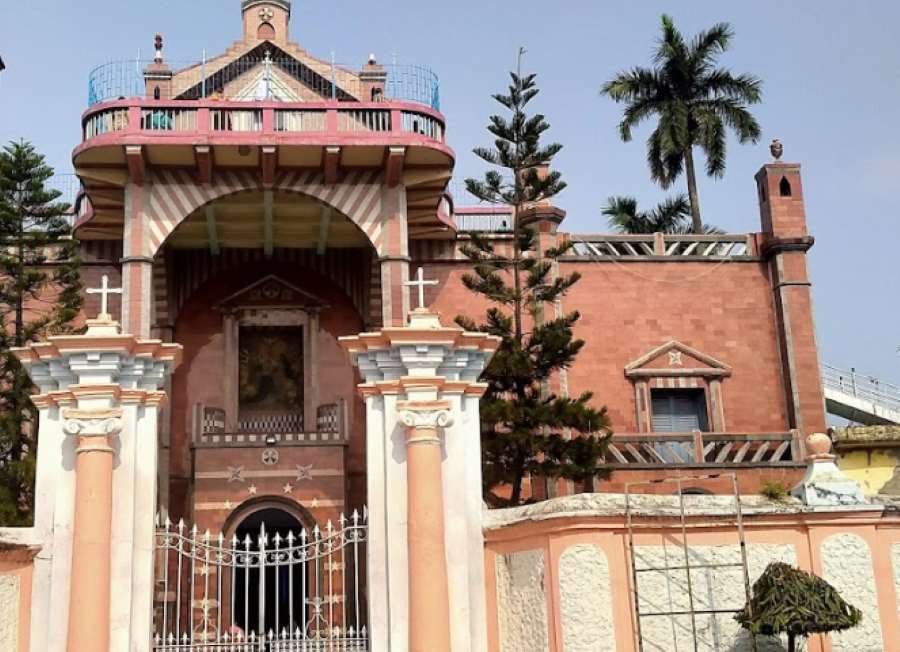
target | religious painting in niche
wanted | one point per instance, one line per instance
(271, 378)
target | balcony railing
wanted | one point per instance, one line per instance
(274, 78)
(211, 428)
(706, 449)
(673, 247)
(207, 118)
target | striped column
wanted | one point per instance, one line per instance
(395, 258)
(137, 264)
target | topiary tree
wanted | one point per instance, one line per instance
(790, 601)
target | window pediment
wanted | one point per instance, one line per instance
(676, 359)
(272, 292)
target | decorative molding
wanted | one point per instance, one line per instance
(676, 351)
(425, 414)
(99, 425)
(93, 423)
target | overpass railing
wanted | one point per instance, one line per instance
(862, 386)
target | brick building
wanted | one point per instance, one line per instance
(260, 205)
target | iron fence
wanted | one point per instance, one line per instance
(283, 592)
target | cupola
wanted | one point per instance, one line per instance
(266, 20)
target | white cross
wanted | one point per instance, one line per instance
(420, 283)
(104, 291)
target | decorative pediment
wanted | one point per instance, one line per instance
(272, 291)
(676, 359)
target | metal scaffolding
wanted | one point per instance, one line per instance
(688, 567)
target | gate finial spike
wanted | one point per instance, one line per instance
(247, 542)
(194, 531)
(181, 526)
(168, 523)
(277, 540)
(207, 536)
(355, 517)
(290, 538)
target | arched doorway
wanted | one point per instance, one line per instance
(270, 597)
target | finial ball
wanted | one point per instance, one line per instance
(777, 149)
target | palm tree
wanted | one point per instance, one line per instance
(671, 216)
(694, 100)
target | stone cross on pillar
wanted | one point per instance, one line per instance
(420, 283)
(104, 291)
(426, 574)
(95, 489)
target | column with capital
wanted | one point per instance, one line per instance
(95, 492)
(429, 601)
(426, 549)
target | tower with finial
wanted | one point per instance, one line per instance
(266, 20)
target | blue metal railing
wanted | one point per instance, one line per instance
(125, 79)
(414, 84)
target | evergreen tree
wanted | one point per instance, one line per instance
(40, 295)
(527, 429)
(790, 601)
(695, 101)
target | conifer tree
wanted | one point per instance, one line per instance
(526, 428)
(790, 601)
(40, 295)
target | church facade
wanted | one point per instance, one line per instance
(284, 223)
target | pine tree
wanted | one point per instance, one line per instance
(790, 601)
(40, 295)
(526, 428)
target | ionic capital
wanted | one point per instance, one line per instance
(425, 415)
(87, 425)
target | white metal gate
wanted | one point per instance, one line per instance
(298, 592)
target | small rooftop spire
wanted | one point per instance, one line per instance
(158, 46)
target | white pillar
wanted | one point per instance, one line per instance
(70, 372)
(397, 363)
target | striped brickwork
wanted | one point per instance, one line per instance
(346, 268)
(174, 195)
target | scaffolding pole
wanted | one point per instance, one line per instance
(688, 566)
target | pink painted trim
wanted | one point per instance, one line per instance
(202, 135)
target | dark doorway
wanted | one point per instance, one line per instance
(272, 599)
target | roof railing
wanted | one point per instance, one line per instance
(278, 78)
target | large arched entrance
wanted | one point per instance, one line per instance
(271, 597)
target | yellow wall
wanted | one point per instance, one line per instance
(873, 469)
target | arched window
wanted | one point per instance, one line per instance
(156, 93)
(266, 32)
(377, 94)
(784, 188)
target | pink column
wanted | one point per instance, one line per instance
(89, 601)
(429, 597)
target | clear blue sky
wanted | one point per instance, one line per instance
(832, 88)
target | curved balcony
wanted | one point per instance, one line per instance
(367, 127)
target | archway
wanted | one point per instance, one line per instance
(270, 596)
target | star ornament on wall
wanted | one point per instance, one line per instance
(304, 472)
(266, 14)
(288, 488)
(252, 489)
(235, 474)
(675, 359)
